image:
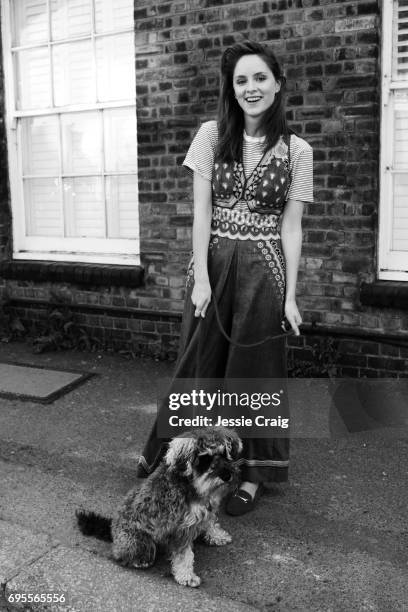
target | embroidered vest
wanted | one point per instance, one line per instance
(264, 191)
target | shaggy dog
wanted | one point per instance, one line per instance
(177, 503)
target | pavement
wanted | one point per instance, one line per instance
(333, 539)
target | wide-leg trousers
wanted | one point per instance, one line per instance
(247, 281)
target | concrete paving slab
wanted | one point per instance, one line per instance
(38, 384)
(19, 547)
(91, 584)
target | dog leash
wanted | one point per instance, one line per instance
(242, 344)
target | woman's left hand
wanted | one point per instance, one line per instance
(293, 315)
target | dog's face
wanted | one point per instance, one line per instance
(206, 457)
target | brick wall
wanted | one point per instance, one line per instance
(329, 51)
(330, 54)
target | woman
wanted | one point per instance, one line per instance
(250, 173)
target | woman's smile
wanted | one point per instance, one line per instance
(253, 99)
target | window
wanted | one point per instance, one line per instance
(393, 231)
(71, 128)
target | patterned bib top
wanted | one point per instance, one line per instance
(248, 197)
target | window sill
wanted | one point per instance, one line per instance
(79, 273)
(386, 294)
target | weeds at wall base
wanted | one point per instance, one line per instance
(59, 329)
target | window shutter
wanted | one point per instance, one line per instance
(400, 212)
(400, 36)
(393, 230)
(30, 22)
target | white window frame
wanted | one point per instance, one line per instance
(121, 251)
(392, 265)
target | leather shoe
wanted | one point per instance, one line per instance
(242, 502)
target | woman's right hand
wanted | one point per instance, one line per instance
(201, 297)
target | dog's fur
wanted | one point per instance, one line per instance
(177, 503)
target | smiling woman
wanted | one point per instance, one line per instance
(251, 177)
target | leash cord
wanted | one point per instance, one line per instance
(241, 344)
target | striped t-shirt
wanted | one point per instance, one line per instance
(200, 158)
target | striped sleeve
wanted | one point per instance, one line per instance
(301, 167)
(200, 156)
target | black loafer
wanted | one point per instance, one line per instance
(242, 502)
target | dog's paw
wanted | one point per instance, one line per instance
(191, 580)
(219, 539)
(216, 536)
(141, 565)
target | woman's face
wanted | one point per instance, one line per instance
(254, 85)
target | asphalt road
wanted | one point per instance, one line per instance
(333, 539)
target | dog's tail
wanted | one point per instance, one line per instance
(92, 524)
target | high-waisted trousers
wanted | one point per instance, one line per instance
(247, 281)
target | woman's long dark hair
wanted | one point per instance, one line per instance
(230, 114)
